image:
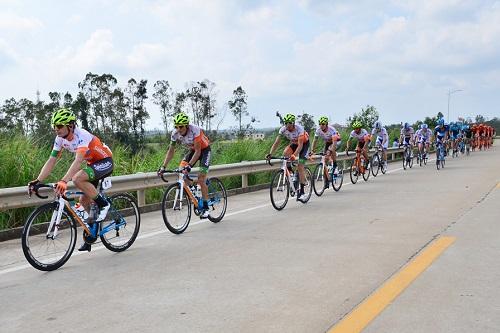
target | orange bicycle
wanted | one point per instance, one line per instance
(358, 167)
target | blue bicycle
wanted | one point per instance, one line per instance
(49, 235)
(440, 154)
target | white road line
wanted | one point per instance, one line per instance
(159, 232)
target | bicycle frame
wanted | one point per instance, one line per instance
(56, 216)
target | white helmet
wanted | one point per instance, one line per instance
(378, 124)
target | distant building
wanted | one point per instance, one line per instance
(255, 136)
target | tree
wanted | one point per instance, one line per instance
(367, 117)
(238, 107)
(142, 114)
(307, 121)
(480, 119)
(163, 98)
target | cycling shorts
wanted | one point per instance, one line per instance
(204, 159)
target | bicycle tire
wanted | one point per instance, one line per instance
(33, 232)
(366, 174)
(217, 197)
(404, 159)
(339, 180)
(171, 204)
(125, 225)
(375, 165)
(281, 184)
(308, 187)
(318, 186)
(354, 172)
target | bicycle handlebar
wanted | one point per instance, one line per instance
(36, 187)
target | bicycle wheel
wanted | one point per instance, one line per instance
(405, 158)
(318, 180)
(217, 199)
(42, 249)
(120, 228)
(375, 165)
(176, 212)
(308, 186)
(367, 172)
(339, 178)
(279, 190)
(353, 172)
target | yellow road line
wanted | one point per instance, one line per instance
(371, 307)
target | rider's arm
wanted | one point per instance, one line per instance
(75, 166)
(275, 145)
(47, 168)
(197, 152)
(169, 155)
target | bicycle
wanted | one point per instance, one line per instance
(176, 202)
(422, 155)
(377, 164)
(467, 146)
(285, 183)
(49, 234)
(336, 176)
(440, 155)
(407, 156)
(358, 167)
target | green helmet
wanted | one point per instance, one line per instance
(62, 116)
(181, 119)
(289, 118)
(356, 124)
(323, 120)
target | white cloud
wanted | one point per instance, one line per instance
(10, 21)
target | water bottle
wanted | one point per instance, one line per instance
(198, 191)
(80, 211)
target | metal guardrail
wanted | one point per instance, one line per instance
(17, 197)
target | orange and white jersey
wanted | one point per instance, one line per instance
(329, 135)
(362, 136)
(294, 136)
(193, 134)
(83, 141)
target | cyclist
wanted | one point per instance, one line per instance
(454, 135)
(441, 132)
(86, 147)
(423, 138)
(468, 134)
(382, 139)
(406, 137)
(363, 138)
(298, 147)
(332, 140)
(193, 138)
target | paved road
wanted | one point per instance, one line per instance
(299, 270)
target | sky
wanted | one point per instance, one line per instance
(320, 57)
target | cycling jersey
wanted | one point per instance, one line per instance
(82, 141)
(294, 136)
(193, 134)
(382, 137)
(407, 133)
(422, 136)
(440, 132)
(329, 135)
(361, 136)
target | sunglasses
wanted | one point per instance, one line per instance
(58, 126)
(180, 126)
(289, 123)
